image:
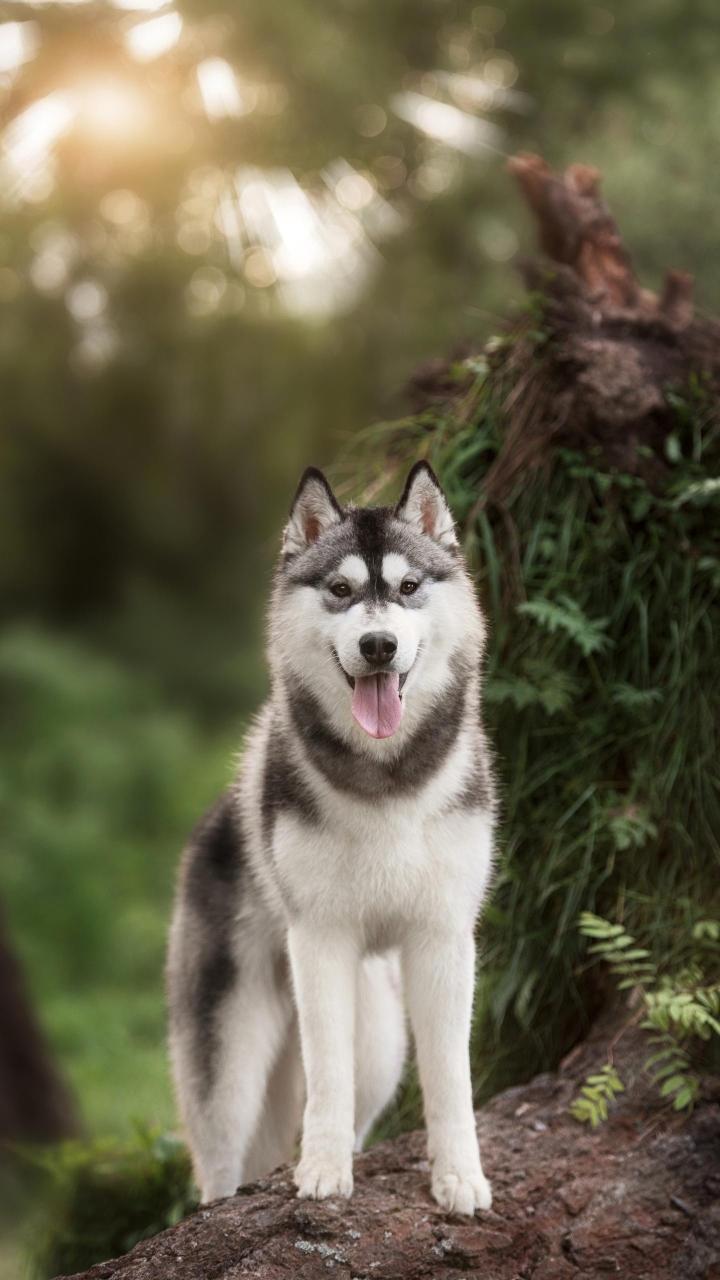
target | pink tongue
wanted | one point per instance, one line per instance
(376, 703)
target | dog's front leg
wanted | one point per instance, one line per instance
(439, 977)
(324, 968)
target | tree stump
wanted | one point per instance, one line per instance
(599, 361)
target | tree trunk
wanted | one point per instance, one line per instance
(35, 1106)
(636, 1198)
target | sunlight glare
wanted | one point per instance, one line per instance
(229, 223)
(219, 89)
(110, 109)
(144, 6)
(480, 93)
(447, 124)
(357, 193)
(29, 137)
(44, 4)
(317, 250)
(151, 39)
(18, 44)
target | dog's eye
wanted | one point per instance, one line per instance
(340, 589)
(408, 586)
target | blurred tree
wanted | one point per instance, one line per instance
(192, 294)
(229, 234)
(34, 1102)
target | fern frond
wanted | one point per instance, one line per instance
(598, 1091)
(565, 615)
(679, 1009)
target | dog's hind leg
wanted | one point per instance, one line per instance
(380, 1040)
(278, 1129)
(223, 1115)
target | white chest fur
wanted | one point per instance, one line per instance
(379, 870)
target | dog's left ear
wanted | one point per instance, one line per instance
(424, 506)
(314, 510)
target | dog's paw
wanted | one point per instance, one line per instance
(461, 1192)
(318, 1177)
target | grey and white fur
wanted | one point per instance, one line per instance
(338, 880)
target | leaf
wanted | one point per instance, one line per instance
(566, 615)
(685, 1097)
(633, 699)
(709, 929)
(699, 491)
(673, 452)
(591, 1105)
(672, 1085)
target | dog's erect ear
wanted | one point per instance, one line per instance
(424, 506)
(314, 510)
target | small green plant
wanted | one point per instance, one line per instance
(566, 615)
(591, 1105)
(680, 1009)
(102, 1197)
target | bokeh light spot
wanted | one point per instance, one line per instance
(205, 291)
(354, 191)
(498, 240)
(151, 39)
(124, 208)
(260, 269)
(220, 90)
(501, 71)
(86, 300)
(370, 120)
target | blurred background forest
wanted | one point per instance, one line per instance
(229, 233)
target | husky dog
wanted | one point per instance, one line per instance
(340, 877)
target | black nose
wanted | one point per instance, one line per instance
(378, 647)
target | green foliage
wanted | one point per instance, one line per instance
(628, 962)
(603, 704)
(535, 682)
(101, 1198)
(100, 782)
(591, 1105)
(566, 615)
(679, 1008)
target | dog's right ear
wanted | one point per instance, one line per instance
(314, 510)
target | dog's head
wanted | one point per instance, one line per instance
(373, 606)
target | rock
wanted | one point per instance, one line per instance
(634, 1198)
